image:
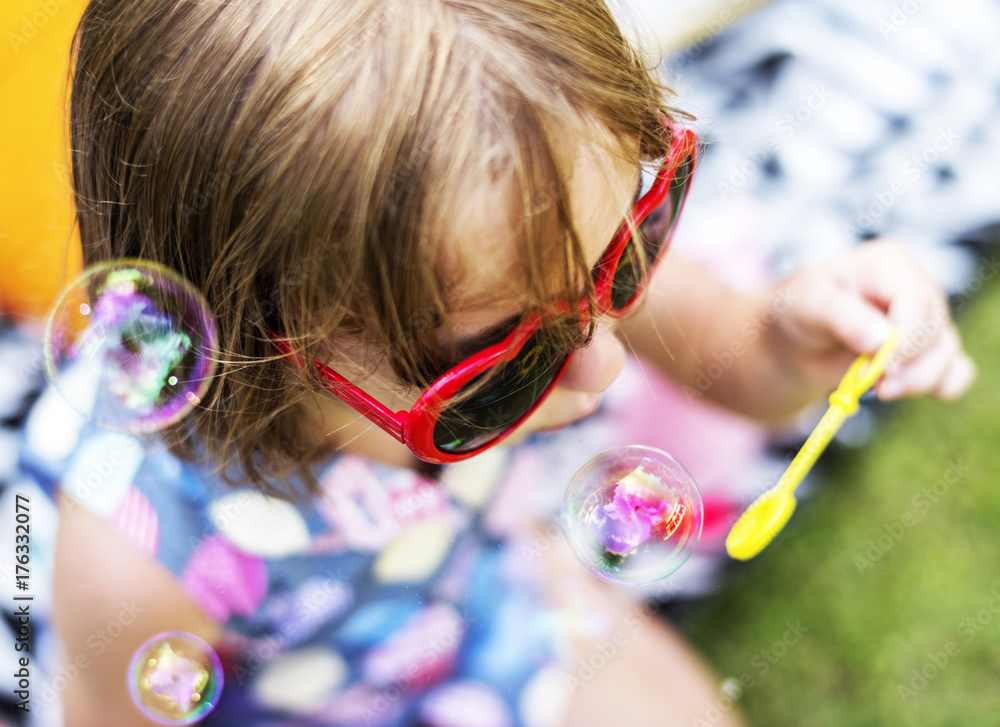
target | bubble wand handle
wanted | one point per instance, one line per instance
(862, 375)
(768, 514)
(828, 426)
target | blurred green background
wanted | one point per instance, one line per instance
(900, 630)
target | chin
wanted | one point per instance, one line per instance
(575, 418)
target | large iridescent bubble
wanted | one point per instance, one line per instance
(175, 678)
(131, 345)
(632, 515)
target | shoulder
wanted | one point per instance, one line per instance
(109, 597)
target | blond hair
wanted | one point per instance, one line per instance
(300, 163)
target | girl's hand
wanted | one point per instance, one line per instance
(830, 313)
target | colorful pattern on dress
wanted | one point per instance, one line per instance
(389, 598)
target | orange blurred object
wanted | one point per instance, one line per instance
(39, 247)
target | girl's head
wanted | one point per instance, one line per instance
(372, 179)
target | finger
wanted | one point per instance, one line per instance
(916, 340)
(913, 301)
(845, 318)
(958, 378)
(920, 329)
(924, 374)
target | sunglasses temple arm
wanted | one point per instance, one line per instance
(350, 394)
(362, 403)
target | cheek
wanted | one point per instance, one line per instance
(562, 407)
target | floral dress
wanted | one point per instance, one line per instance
(391, 597)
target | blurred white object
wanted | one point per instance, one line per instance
(826, 124)
(675, 24)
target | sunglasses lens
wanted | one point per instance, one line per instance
(493, 403)
(649, 240)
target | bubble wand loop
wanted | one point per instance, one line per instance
(768, 514)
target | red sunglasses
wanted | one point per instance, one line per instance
(482, 399)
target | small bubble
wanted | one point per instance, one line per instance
(130, 345)
(632, 515)
(175, 678)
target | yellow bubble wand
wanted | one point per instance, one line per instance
(769, 513)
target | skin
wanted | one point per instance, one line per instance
(97, 570)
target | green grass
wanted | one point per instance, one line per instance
(870, 627)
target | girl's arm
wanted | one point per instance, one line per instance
(711, 341)
(769, 355)
(109, 598)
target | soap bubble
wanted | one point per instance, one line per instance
(632, 515)
(175, 678)
(130, 344)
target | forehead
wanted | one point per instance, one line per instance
(481, 261)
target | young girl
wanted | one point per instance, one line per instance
(433, 198)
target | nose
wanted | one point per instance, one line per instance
(592, 369)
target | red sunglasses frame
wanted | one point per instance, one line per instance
(415, 428)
